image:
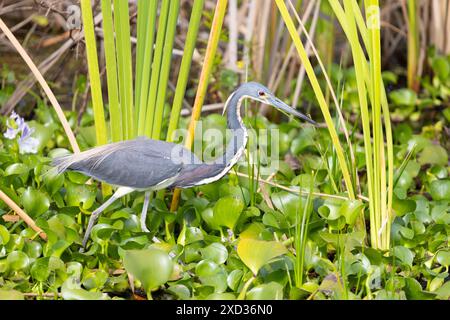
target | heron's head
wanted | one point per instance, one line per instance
(258, 92)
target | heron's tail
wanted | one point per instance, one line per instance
(63, 163)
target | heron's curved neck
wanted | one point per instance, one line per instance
(239, 137)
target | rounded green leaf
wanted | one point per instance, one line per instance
(211, 274)
(257, 253)
(11, 295)
(403, 97)
(221, 296)
(234, 279)
(215, 252)
(152, 267)
(35, 202)
(16, 169)
(405, 255)
(268, 291)
(17, 260)
(227, 211)
(4, 235)
(433, 154)
(443, 257)
(440, 189)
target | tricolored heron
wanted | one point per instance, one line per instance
(147, 165)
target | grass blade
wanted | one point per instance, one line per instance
(145, 39)
(124, 61)
(165, 69)
(111, 72)
(147, 124)
(189, 46)
(94, 75)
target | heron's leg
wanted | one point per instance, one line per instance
(144, 211)
(122, 191)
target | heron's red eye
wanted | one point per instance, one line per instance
(261, 93)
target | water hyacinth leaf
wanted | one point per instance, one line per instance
(4, 235)
(11, 295)
(211, 274)
(227, 211)
(433, 154)
(101, 233)
(440, 189)
(53, 181)
(350, 209)
(80, 194)
(287, 203)
(39, 270)
(257, 253)
(152, 267)
(33, 249)
(208, 217)
(253, 231)
(216, 252)
(221, 296)
(404, 97)
(180, 291)
(234, 279)
(402, 207)
(81, 294)
(443, 258)
(267, 291)
(35, 202)
(443, 292)
(16, 169)
(413, 290)
(95, 279)
(405, 255)
(17, 260)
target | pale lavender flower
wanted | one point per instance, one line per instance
(16, 124)
(13, 126)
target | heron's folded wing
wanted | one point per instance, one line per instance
(140, 163)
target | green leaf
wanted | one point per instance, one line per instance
(402, 207)
(413, 290)
(227, 211)
(80, 194)
(441, 68)
(81, 294)
(433, 154)
(287, 203)
(234, 279)
(211, 274)
(17, 260)
(443, 292)
(4, 235)
(215, 252)
(350, 209)
(16, 169)
(257, 253)
(405, 255)
(153, 267)
(440, 189)
(404, 97)
(443, 257)
(221, 296)
(11, 295)
(35, 202)
(268, 291)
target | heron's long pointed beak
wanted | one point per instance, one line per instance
(280, 105)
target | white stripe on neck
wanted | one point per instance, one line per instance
(238, 154)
